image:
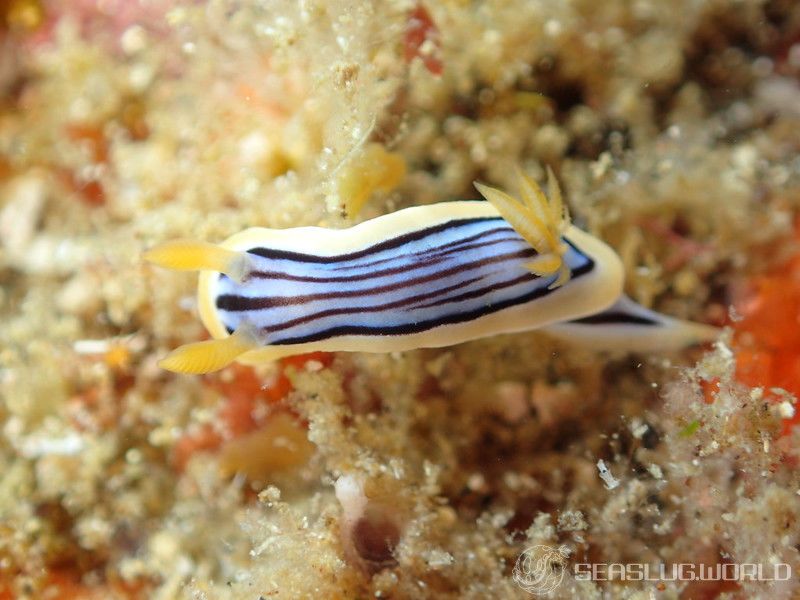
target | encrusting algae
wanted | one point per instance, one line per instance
(421, 473)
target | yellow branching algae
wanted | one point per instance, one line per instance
(371, 169)
(672, 128)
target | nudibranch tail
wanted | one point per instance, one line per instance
(210, 355)
(631, 327)
(541, 221)
(188, 255)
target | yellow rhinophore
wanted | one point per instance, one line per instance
(210, 355)
(190, 255)
(187, 255)
(540, 220)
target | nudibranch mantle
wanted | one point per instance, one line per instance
(422, 277)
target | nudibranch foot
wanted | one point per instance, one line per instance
(540, 220)
(210, 355)
(190, 255)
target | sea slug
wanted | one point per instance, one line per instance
(422, 277)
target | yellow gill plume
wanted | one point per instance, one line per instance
(540, 220)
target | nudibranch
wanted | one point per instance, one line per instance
(422, 277)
